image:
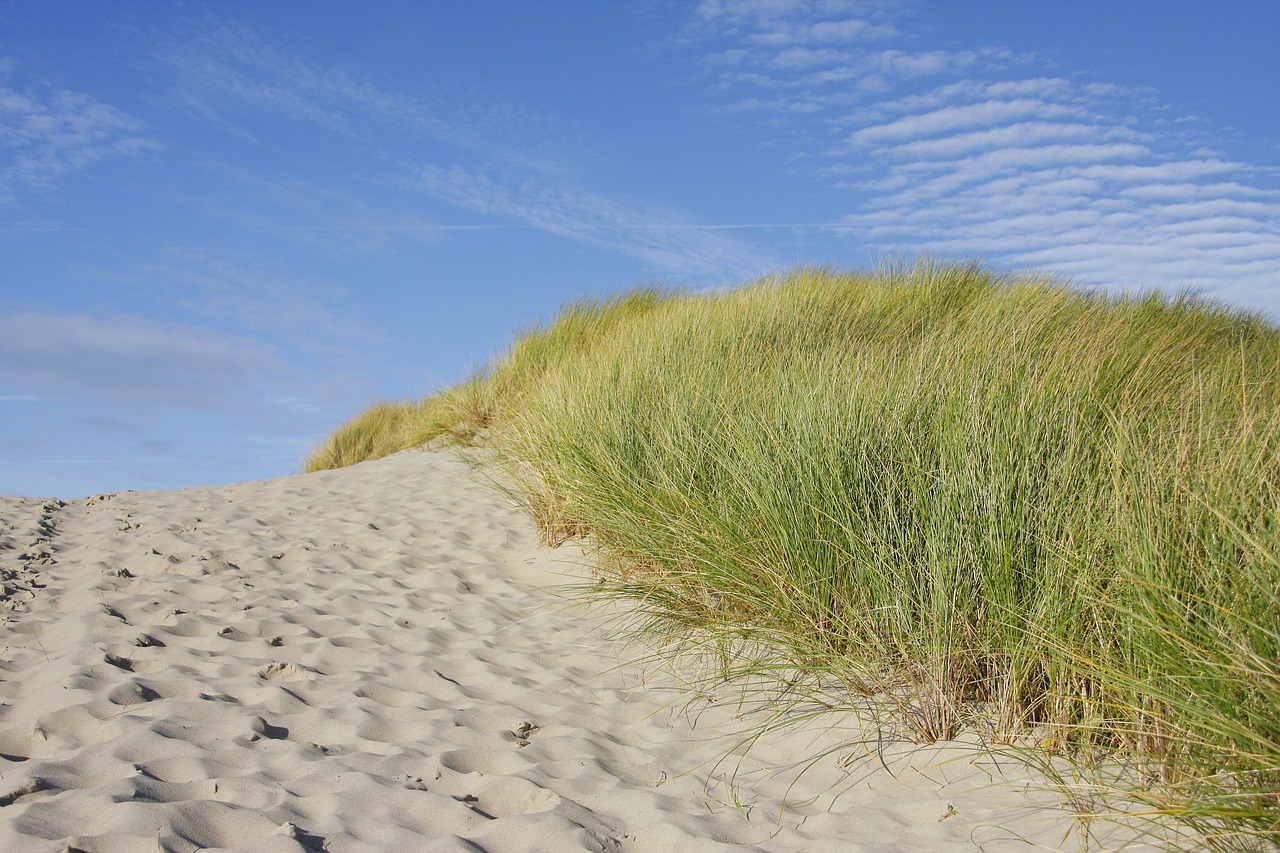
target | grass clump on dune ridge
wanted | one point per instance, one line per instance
(984, 500)
(466, 411)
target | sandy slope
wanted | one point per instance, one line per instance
(369, 659)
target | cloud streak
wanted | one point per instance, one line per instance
(662, 237)
(128, 359)
(326, 220)
(234, 70)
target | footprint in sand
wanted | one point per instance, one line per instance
(132, 693)
(261, 728)
(510, 796)
(484, 762)
(119, 662)
(522, 733)
(284, 672)
(23, 789)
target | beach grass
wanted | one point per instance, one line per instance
(983, 500)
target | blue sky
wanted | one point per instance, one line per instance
(227, 227)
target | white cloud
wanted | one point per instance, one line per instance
(903, 64)
(1157, 173)
(963, 117)
(1187, 190)
(1209, 208)
(1023, 134)
(46, 134)
(797, 21)
(954, 152)
(807, 57)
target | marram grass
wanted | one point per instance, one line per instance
(466, 411)
(986, 501)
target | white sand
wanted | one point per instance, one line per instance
(370, 659)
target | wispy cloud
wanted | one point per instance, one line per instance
(960, 152)
(1073, 187)
(246, 293)
(130, 360)
(789, 22)
(323, 219)
(807, 55)
(665, 238)
(223, 71)
(954, 118)
(47, 133)
(480, 155)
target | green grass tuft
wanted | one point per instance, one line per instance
(984, 500)
(465, 413)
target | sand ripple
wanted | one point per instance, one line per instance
(369, 660)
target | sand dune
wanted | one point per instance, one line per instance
(372, 659)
